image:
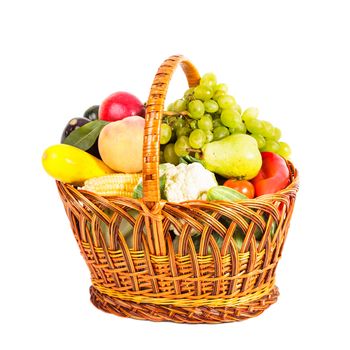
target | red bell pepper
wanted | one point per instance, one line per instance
(273, 175)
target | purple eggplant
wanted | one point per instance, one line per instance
(72, 125)
(92, 112)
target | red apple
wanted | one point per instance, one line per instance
(119, 106)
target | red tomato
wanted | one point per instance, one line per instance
(243, 186)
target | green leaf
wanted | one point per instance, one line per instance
(189, 159)
(138, 190)
(85, 136)
(162, 181)
(183, 161)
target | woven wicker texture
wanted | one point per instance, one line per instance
(152, 274)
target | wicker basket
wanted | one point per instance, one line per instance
(153, 280)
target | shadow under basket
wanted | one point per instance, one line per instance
(194, 262)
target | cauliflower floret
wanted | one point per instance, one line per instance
(188, 182)
(166, 168)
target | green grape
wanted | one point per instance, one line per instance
(193, 124)
(203, 92)
(169, 154)
(180, 105)
(208, 79)
(205, 123)
(270, 146)
(254, 126)
(220, 132)
(184, 131)
(217, 122)
(197, 138)
(170, 120)
(188, 95)
(221, 87)
(196, 109)
(230, 118)
(226, 101)
(181, 146)
(268, 129)
(209, 136)
(165, 133)
(217, 94)
(179, 123)
(259, 139)
(238, 108)
(250, 113)
(211, 106)
(284, 150)
(277, 133)
(171, 107)
(239, 129)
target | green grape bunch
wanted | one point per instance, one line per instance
(208, 113)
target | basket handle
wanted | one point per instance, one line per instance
(153, 118)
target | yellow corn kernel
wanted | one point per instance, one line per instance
(121, 185)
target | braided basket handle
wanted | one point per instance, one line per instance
(153, 118)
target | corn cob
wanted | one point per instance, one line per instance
(121, 185)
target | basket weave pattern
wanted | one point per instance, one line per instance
(151, 278)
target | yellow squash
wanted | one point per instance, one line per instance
(71, 165)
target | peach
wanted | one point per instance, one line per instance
(120, 144)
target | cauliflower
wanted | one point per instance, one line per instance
(182, 182)
(187, 182)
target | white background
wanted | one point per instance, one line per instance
(288, 58)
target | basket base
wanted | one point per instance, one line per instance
(171, 313)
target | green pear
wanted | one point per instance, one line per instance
(236, 156)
